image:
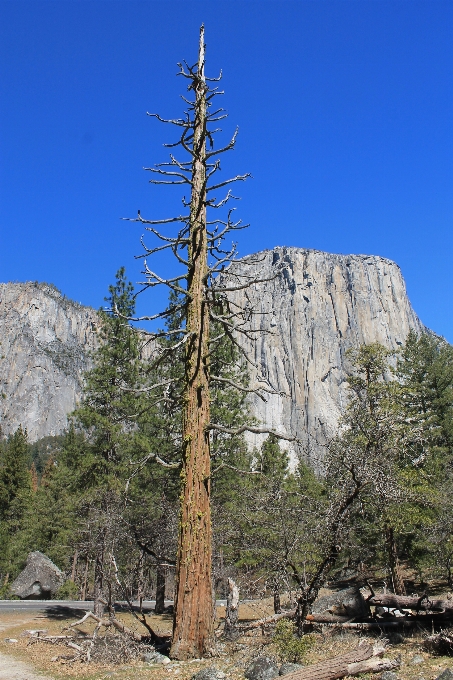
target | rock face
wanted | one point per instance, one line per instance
(311, 314)
(39, 580)
(45, 341)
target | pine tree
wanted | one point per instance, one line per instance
(15, 498)
(105, 437)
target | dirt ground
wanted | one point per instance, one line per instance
(24, 661)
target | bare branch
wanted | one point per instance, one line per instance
(253, 430)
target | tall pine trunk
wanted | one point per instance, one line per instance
(193, 619)
(393, 562)
(160, 589)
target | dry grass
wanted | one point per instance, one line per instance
(233, 658)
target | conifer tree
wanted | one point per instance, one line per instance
(15, 498)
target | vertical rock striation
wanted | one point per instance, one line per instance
(45, 341)
(311, 314)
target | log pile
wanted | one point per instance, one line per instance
(400, 612)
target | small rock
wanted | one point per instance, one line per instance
(286, 668)
(10, 640)
(396, 639)
(262, 668)
(211, 673)
(388, 675)
(416, 660)
(35, 631)
(447, 674)
(155, 657)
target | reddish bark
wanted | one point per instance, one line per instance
(193, 620)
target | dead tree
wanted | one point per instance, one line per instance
(393, 562)
(232, 611)
(161, 571)
(201, 298)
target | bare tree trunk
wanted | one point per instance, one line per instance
(99, 604)
(393, 561)
(83, 594)
(193, 620)
(232, 611)
(160, 589)
(277, 603)
(74, 566)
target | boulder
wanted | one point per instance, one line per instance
(447, 674)
(40, 579)
(347, 602)
(211, 673)
(155, 657)
(416, 660)
(388, 675)
(262, 668)
(287, 668)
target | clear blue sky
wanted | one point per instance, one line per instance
(345, 109)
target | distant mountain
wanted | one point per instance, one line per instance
(322, 305)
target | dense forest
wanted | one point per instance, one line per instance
(102, 500)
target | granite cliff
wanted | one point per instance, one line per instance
(319, 306)
(45, 340)
(311, 314)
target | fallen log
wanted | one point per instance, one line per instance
(423, 603)
(267, 621)
(374, 625)
(328, 618)
(364, 659)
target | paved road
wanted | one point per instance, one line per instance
(55, 605)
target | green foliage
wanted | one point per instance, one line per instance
(290, 647)
(15, 501)
(68, 591)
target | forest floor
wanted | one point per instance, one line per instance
(23, 660)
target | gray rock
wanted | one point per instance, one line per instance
(262, 668)
(396, 639)
(155, 657)
(322, 305)
(388, 675)
(347, 602)
(211, 673)
(45, 345)
(319, 307)
(416, 660)
(286, 668)
(447, 674)
(40, 579)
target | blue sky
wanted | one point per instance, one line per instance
(345, 110)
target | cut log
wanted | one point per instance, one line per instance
(423, 603)
(328, 618)
(439, 644)
(364, 659)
